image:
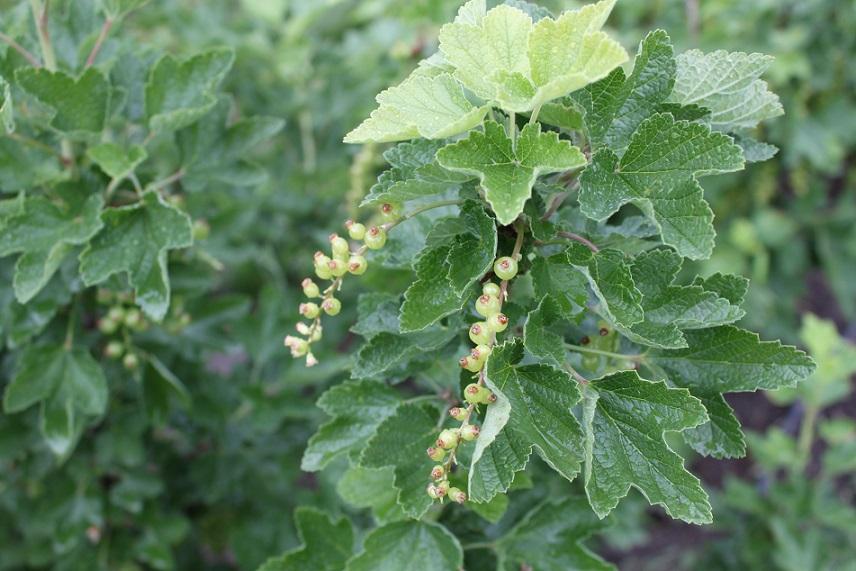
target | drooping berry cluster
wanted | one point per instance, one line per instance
(343, 259)
(483, 334)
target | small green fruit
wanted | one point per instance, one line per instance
(133, 318)
(107, 326)
(200, 230)
(490, 288)
(505, 268)
(309, 310)
(339, 245)
(480, 353)
(431, 490)
(130, 361)
(438, 472)
(497, 322)
(469, 432)
(436, 454)
(458, 413)
(116, 313)
(114, 350)
(487, 305)
(310, 288)
(479, 333)
(331, 306)
(337, 267)
(470, 364)
(357, 265)
(457, 495)
(390, 210)
(448, 439)
(355, 230)
(375, 238)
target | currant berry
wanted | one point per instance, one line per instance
(302, 328)
(448, 439)
(480, 353)
(355, 230)
(390, 210)
(457, 495)
(357, 265)
(469, 432)
(472, 365)
(505, 268)
(436, 454)
(322, 270)
(490, 288)
(130, 361)
(310, 288)
(337, 267)
(438, 472)
(309, 310)
(311, 361)
(316, 335)
(458, 413)
(475, 393)
(488, 305)
(375, 238)
(116, 314)
(431, 490)
(107, 326)
(443, 489)
(114, 350)
(497, 322)
(339, 245)
(200, 230)
(299, 347)
(331, 306)
(479, 333)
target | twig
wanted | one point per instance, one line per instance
(174, 177)
(557, 201)
(105, 30)
(27, 55)
(577, 238)
(610, 354)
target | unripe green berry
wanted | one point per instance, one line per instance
(479, 333)
(375, 238)
(469, 432)
(339, 245)
(470, 364)
(337, 267)
(488, 305)
(316, 335)
(357, 265)
(497, 322)
(458, 413)
(448, 439)
(505, 268)
(436, 454)
(133, 318)
(200, 229)
(310, 288)
(474, 393)
(331, 306)
(490, 288)
(114, 350)
(107, 326)
(480, 353)
(130, 361)
(431, 490)
(438, 472)
(443, 489)
(299, 347)
(355, 230)
(457, 495)
(116, 314)
(390, 210)
(309, 310)
(303, 328)
(322, 270)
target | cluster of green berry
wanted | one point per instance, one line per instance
(342, 260)
(120, 320)
(483, 335)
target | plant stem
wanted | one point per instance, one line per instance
(34, 61)
(589, 350)
(440, 203)
(555, 203)
(806, 435)
(512, 127)
(174, 177)
(479, 545)
(577, 238)
(534, 116)
(105, 30)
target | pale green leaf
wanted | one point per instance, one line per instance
(178, 93)
(357, 408)
(508, 170)
(611, 280)
(729, 286)
(624, 419)
(418, 545)
(557, 277)
(400, 442)
(533, 411)
(549, 536)
(7, 111)
(326, 544)
(116, 161)
(722, 435)
(371, 488)
(472, 252)
(44, 232)
(538, 338)
(728, 84)
(23, 167)
(135, 240)
(80, 104)
(421, 106)
(385, 351)
(657, 174)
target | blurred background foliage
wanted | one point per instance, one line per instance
(207, 475)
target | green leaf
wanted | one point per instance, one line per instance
(326, 544)
(755, 151)
(384, 351)
(669, 308)
(727, 359)
(472, 252)
(421, 106)
(508, 170)
(557, 277)
(532, 411)
(116, 161)
(80, 105)
(7, 111)
(44, 233)
(371, 488)
(178, 93)
(212, 151)
(729, 286)
(357, 408)
(118, 8)
(67, 381)
(537, 336)
(135, 240)
(403, 545)
(611, 280)
(549, 536)
(657, 174)
(23, 167)
(503, 57)
(624, 419)
(400, 442)
(728, 84)
(616, 105)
